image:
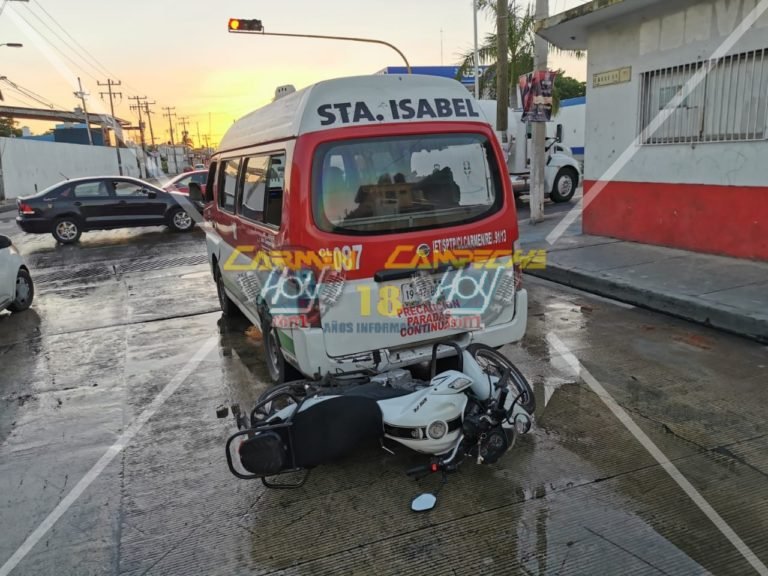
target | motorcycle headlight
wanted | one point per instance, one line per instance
(437, 429)
(522, 424)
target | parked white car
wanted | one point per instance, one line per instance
(16, 287)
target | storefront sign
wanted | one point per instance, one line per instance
(617, 76)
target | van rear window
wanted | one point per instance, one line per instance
(389, 185)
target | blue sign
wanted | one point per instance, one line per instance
(442, 71)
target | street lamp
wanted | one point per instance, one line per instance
(13, 44)
(243, 26)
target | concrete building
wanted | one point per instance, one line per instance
(689, 172)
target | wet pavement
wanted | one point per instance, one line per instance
(117, 317)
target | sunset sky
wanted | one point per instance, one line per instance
(180, 54)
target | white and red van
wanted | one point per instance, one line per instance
(360, 220)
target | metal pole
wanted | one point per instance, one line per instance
(477, 63)
(349, 38)
(82, 95)
(109, 85)
(137, 107)
(502, 68)
(539, 142)
(170, 129)
(149, 119)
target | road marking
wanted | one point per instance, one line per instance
(124, 439)
(657, 454)
(656, 123)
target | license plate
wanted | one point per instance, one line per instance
(419, 292)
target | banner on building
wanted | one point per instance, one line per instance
(536, 95)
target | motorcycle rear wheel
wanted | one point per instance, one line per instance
(494, 363)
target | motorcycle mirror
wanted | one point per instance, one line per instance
(423, 502)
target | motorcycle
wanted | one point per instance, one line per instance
(476, 411)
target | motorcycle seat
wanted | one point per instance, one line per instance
(375, 391)
(318, 434)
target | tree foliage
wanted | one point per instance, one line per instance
(522, 44)
(567, 87)
(8, 127)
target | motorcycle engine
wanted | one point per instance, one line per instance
(484, 436)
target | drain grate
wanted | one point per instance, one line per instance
(161, 263)
(101, 272)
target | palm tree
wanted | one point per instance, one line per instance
(522, 41)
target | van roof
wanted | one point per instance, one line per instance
(356, 100)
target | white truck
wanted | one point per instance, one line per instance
(562, 174)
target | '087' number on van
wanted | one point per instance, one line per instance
(345, 258)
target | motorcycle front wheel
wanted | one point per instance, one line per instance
(495, 363)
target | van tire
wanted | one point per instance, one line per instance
(280, 370)
(228, 307)
(566, 182)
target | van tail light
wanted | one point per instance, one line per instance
(26, 209)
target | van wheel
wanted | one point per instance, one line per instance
(280, 371)
(228, 307)
(565, 185)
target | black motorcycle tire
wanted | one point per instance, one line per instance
(527, 399)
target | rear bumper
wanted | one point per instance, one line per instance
(308, 352)
(34, 225)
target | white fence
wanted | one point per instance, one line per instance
(31, 165)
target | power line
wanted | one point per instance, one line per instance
(104, 68)
(66, 43)
(18, 13)
(30, 94)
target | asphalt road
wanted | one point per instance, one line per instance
(118, 317)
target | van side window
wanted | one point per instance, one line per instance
(254, 188)
(210, 182)
(228, 185)
(275, 187)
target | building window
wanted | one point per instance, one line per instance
(728, 104)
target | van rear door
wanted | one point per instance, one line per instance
(403, 215)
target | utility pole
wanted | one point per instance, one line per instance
(184, 136)
(149, 120)
(109, 83)
(138, 106)
(476, 58)
(170, 115)
(502, 69)
(199, 142)
(539, 142)
(82, 96)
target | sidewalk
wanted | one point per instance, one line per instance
(7, 205)
(726, 293)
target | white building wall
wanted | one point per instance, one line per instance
(681, 32)
(31, 165)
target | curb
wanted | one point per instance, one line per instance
(10, 207)
(685, 307)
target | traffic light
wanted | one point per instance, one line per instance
(241, 25)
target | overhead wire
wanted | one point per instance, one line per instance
(65, 42)
(96, 62)
(55, 47)
(30, 94)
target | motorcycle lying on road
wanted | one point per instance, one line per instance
(476, 411)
